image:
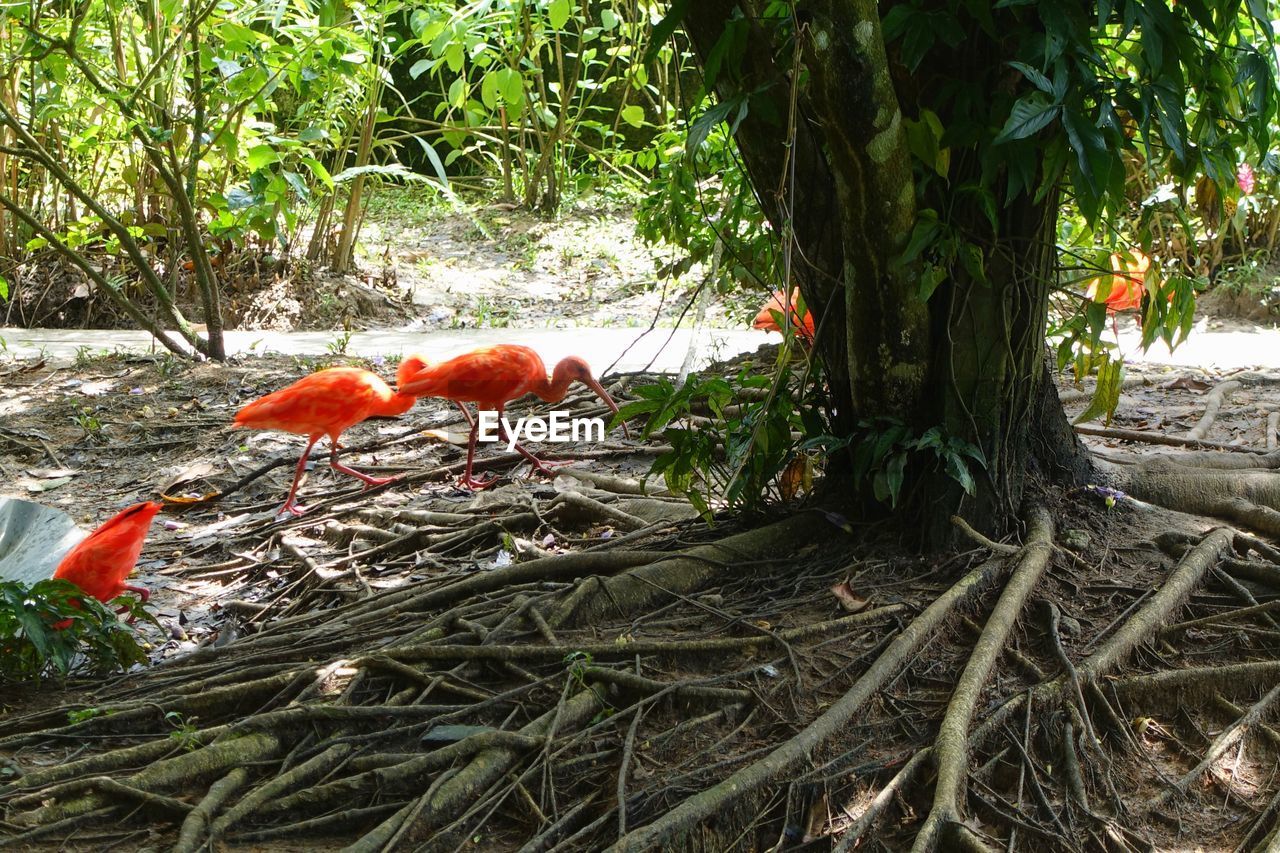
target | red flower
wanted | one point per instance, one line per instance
(1244, 178)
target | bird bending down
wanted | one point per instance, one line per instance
(767, 321)
(328, 402)
(493, 376)
(102, 560)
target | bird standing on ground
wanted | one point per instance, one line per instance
(768, 322)
(328, 402)
(101, 561)
(493, 376)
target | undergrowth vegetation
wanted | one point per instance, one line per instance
(51, 629)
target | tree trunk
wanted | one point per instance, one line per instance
(971, 358)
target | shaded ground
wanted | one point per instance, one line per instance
(423, 667)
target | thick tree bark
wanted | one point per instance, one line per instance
(969, 360)
(845, 192)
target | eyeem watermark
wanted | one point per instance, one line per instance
(559, 427)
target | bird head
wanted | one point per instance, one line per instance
(574, 368)
(409, 365)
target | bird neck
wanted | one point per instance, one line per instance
(553, 389)
(392, 403)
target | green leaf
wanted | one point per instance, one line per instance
(959, 471)
(1031, 114)
(634, 115)
(317, 168)
(510, 85)
(664, 28)
(1107, 394)
(489, 90)
(923, 235)
(558, 13)
(930, 278)
(260, 156)
(1036, 78)
(4, 287)
(458, 93)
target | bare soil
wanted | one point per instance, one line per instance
(422, 266)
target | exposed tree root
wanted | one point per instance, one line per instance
(705, 805)
(1224, 741)
(1212, 405)
(1238, 488)
(634, 694)
(1159, 438)
(951, 750)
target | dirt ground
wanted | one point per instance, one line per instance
(423, 265)
(248, 606)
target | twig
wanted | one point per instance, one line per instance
(1220, 745)
(1157, 438)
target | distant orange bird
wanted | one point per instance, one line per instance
(1127, 287)
(328, 402)
(101, 561)
(766, 321)
(493, 376)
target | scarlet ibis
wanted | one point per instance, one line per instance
(493, 376)
(766, 321)
(328, 402)
(101, 561)
(1127, 287)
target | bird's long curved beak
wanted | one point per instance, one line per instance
(608, 401)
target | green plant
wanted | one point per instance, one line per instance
(338, 346)
(520, 87)
(185, 731)
(87, 421)
(87, 636)
(699, 201)
(83, 714)
(744, 450)
(883, 448)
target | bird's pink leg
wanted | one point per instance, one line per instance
(543, 466)
(290, 505)
(467, 480)
(466, 415)
(359, 475)
(142, 592)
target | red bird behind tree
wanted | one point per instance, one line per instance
(493, 376)
(100, 563)
(767, 321)
(328, 402)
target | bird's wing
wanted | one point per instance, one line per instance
(327, 401)
(490, 375)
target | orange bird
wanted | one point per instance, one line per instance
(101, 561)
(1127, 286)
(328, 402)
(493, 376)
(766, 321)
